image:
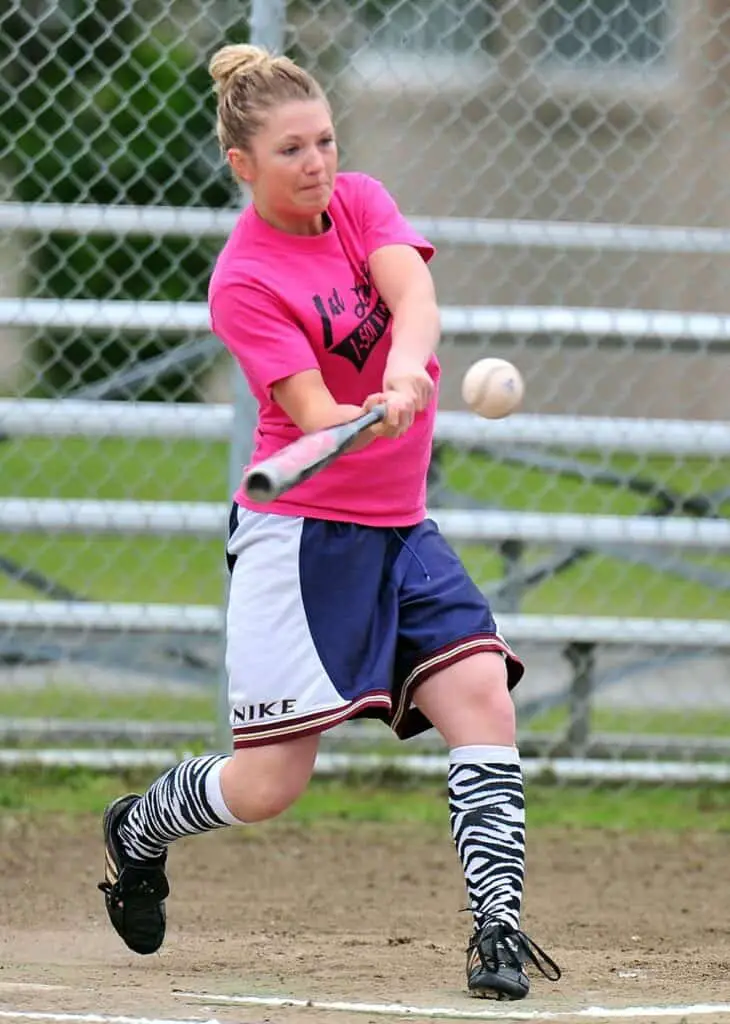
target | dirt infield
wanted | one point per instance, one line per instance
(361, 914)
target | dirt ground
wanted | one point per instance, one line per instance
(359, 914)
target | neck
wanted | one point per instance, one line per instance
(295, 225)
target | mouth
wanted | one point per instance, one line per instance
(318, 187)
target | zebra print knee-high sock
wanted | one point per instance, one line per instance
(185, 801)
(487, 812)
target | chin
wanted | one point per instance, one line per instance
(318, 201)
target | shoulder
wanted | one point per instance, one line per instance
(242, 264)
(362, 201)
(231, 272)
(355, 186)
(242, 285)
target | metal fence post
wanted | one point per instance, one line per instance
(268, 29)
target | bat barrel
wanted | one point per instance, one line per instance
(261, 485)
(302, 458)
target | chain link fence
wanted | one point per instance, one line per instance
(571, 160)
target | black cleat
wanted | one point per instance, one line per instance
(496, 959)
(134, 892)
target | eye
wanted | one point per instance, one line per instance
(328, 141)
(290, 150)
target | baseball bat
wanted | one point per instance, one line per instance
(304, 457)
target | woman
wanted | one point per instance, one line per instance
(344, 599)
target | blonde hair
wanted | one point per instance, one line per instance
(249, 82)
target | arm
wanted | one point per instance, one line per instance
(309, 403)
(277, 359)
(405, 283)
(276, 356)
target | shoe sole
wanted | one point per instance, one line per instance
(496, 996)
(506, 987)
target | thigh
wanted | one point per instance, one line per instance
(351, 605)
(444, 618)
(275, 677)
(307, 642)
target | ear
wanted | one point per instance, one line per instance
(241, 164)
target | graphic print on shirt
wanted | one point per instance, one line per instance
(358, 344)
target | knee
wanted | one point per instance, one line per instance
(470, 703)
(256, 793)
(253, 797)
(485, 694)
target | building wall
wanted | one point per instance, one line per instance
(634, 148)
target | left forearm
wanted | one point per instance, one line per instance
(416, 327)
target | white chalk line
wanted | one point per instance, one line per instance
(449, 1013)
(386, 1009)
(92, 1018)
(29, 986)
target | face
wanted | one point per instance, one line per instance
(292, 165)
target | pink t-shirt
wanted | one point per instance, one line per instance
(286, 303)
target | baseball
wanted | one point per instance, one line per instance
(492, 388)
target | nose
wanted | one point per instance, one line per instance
(314, 162)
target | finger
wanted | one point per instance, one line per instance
(392, 417)
(391, 426)
(425, 393)
(372, 400)
(405, 420)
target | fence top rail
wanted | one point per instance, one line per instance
(576, 769)
(633, 328)
(179, 518)
(195, 222)
(167, 518)
(39, 417)
(204, 619)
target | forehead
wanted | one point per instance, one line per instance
(298, 117)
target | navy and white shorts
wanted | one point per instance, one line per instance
(328, 621)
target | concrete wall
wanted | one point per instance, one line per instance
(626, 148)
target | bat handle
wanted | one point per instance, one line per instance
(373, 416)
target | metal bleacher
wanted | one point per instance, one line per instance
(520, 436)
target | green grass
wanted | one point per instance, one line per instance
(81, 703)
(181, 570)
(142, 469)
(394, 800)
(549, 806)
(517, 486)
(596, 585)
(178, 570)
(642, 722)
(113, 568)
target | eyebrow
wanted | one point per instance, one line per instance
(298, 138)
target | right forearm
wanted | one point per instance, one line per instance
(320, 416)
(312, 406)
(320, 419)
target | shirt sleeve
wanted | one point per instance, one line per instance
(384, 224)
(258, 329)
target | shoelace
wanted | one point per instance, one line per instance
(141, 887)
(511, 941)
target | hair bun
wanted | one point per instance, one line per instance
(236, 59)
